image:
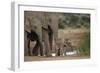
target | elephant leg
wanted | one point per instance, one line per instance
(41, 48)
(38, 47)
(58, 53)
(50, 41)
(47, 45)
(50, 33)
(47, 49)
(29, 52)
(25, 44)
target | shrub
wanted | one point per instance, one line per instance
(85, 45)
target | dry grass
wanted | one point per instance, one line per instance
(74, 35)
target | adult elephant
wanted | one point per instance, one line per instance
(33, 33)
(54, 25)
(47, 29)
(46, 34)
(50, 32)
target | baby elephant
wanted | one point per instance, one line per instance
(32, 36)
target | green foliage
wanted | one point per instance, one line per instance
(61, 24)
(85, 45)
(75, 20)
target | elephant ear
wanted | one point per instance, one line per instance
(27, 25)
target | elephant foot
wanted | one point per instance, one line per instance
(48, 55)
(41, 54)
(35, 53)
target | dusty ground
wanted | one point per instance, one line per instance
(41, 58)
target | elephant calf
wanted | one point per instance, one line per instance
(32, 36)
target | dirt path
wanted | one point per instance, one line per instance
(41, 58)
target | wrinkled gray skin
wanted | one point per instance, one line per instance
(39, 20)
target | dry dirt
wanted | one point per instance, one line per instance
(43, 58)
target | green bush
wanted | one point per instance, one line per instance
(61, 26)
(85, 45)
